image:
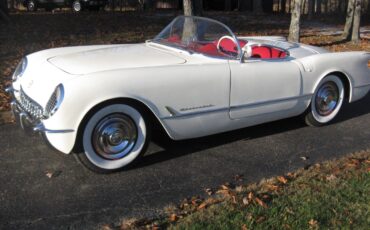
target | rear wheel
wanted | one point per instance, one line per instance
(326, 102)
(114, 137)
(76, 6)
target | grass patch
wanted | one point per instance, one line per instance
(331, 195)
(334, 195)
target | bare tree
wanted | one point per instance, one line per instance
(283, 6)
(349, 19)
(356, 21)
(311, 8)
(294, 30)
(193, 7)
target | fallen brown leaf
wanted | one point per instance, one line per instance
(173, 217)
(245, 201)
(209, 191)
(313, 223)
(260, 219)
(202, 205)
(305, 158)
(331, 177)
(244, 227)
(106, 227)
(225, 187)
(282, 179)
(250, 196)
(273, 187)
(260, 202)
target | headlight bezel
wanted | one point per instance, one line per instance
(20, 69)
(54, 101)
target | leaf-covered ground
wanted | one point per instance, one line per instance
(329, 195)
(31, 32)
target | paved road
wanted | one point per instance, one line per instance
(77, 198)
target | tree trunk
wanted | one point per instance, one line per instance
(257, 6)
(193, 7)
(311, 5)
(349, 19)
(283, 6)
(188, 8)
(294, 30)
(356, 21)
(318, 6)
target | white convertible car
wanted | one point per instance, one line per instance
(195, 78)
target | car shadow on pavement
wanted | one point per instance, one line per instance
(174, 149)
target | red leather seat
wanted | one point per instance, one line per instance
(267, 52)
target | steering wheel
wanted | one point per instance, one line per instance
(219, 47)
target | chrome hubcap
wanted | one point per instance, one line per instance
(77, 6)
(327, 98)
(114, 136)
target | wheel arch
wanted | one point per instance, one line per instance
(344, 77)
(143, 107)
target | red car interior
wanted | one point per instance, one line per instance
(264, 52)
(267, 52)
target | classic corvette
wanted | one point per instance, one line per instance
(195, 78)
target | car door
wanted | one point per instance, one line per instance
(264, 87)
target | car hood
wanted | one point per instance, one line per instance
(112, 58)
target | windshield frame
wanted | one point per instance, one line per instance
(170, 25)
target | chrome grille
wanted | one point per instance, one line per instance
(30, 106)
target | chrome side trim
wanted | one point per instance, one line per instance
(171, 111)
(41, 128)
(236, 107)
(196, 113)
(270, 102)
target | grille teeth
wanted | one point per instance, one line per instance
(30, 106)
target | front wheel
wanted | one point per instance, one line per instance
(115, 137)
(76, 6)
(326, 102)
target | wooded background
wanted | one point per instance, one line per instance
(309, 7)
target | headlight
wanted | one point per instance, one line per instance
(55, 101)
(19, 70)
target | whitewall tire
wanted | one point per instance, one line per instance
(326, 101)
(114, 137)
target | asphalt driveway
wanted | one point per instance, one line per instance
(77, 198)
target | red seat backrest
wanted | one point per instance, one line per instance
(261, 52)
(267, 52)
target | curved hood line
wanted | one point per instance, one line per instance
(113, 58)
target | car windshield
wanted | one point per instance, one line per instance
(199, 35)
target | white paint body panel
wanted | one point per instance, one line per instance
(208, 95)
